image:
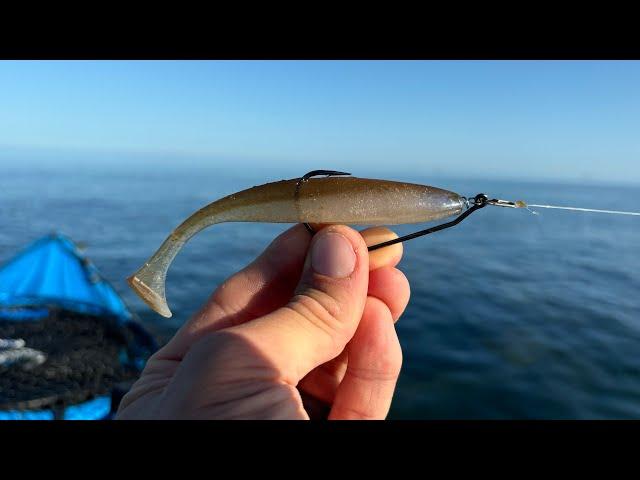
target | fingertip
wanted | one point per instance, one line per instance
(391, 286)
(353, 235)
(355, 239)
(387, 256)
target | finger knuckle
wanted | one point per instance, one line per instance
(384, 371)
(321, 310)
(383, 366)
(355, 413)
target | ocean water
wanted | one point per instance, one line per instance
(512, 315)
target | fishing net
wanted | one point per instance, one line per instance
(86, 357)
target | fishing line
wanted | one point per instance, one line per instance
(615, 212)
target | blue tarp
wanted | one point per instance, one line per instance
(52, 271)
(95, 409)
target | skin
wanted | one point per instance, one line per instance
(278, 340)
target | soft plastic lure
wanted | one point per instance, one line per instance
(335, 199)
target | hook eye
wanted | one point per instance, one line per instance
(480, 199)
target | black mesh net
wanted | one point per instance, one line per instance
(85, 357)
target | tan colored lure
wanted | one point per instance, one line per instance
(335, 199)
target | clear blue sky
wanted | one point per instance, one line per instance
(555, 119)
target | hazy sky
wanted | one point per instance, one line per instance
(556, 119)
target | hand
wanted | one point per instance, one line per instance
(310, 322)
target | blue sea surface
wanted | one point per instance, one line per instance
(512, 315)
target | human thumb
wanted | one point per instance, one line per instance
(323, 314)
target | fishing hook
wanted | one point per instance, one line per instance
(477, 202)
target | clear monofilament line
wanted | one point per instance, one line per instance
(615, 212)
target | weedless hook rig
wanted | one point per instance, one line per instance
(338, 199)
(478, 202)
(473, 204)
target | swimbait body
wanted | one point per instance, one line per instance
(330, 200)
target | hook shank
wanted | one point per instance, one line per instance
(479, 202)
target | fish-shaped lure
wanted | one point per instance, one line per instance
(335, 199)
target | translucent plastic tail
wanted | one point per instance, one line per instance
(149, 281)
